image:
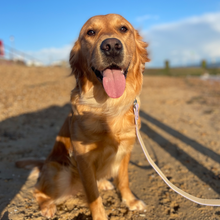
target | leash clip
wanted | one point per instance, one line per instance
(136, 106)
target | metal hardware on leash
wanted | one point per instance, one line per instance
(136, 106)
(208, 202)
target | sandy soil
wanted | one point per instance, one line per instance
(180, 126)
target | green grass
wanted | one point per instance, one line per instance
(181, 72)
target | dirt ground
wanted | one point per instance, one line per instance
(180, 126)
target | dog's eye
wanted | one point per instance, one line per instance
(123, 29)
(91, 33)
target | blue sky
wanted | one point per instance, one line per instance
(183, 31)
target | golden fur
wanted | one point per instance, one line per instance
(96, 139)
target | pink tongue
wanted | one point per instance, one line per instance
(113, 82)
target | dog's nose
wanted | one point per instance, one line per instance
(111, 47)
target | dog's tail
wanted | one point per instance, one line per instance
(30, 163)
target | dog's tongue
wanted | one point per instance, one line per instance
(113, 82)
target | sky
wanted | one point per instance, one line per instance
(183, 32)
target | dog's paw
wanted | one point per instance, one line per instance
(48, 210)
(135, 204)
(101, 218)
(105, 185)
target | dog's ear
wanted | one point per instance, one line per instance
(74, 60)
(141, 50)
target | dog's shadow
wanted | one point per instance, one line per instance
(33, 135)
(23, 136)
(184, 158)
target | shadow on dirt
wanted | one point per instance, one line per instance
(33, 135)
(140, 166)
(191, 164)
(26, 135)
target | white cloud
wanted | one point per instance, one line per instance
(213, 48)
(182, 42)
(50, 55)
(147, 17)
(186, 41)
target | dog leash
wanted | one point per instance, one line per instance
(207, 202)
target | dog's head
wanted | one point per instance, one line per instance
(109, 54)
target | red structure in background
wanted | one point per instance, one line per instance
(1, 48)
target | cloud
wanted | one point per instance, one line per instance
(185, 42)
(50, 55)
(147, 17)
(213, 48)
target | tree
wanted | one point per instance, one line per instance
(167, 67)
(203, 64)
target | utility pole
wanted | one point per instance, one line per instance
(12, 46)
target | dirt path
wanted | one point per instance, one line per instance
(180, 126)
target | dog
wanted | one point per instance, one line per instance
(96, 139)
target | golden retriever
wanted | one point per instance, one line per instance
(96, 139)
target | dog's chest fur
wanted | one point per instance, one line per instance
(109, 139)
(112, 152)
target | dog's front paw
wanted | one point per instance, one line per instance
(104, 184)
(97, 210)
(101, 218)
(135, 204)
(48, 210)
